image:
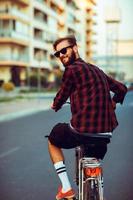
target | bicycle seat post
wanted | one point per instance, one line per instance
(78, 155)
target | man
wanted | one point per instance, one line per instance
(91, 105)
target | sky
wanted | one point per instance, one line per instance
(125, 25)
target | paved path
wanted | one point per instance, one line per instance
(26, 106)
(26, 172)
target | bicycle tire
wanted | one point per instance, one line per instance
(91, 191)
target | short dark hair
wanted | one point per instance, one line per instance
(70, 38)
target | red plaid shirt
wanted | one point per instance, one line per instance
(89, 90)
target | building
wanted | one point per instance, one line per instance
(28, 29)
(118, 58)
(121, 64)
(125, 47)
(125, 52)
(90, 24)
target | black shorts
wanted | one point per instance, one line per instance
(63, 136)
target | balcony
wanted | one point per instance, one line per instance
(41, 64)
(40, 43)
(20, 60)
(73, 27)
(13, 57)
(19, 14)
(57, 6)
(21, 2)
(40, 20)
(72, 4)
(44, 8)
(10, 13)
(59, 3)
(38, 24)
(89, 16)
(13, 37)
(93, 2)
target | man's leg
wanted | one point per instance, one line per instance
(57, 158)
(56, 153)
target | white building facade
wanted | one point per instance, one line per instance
(28, 29)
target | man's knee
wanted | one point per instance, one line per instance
(56, 135)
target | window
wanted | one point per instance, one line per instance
(14, 24)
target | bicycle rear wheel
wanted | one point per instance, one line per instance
(91, 190)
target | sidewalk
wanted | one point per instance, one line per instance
(27, 106)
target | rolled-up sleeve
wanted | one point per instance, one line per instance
(118, 89)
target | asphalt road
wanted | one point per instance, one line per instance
(26, 172)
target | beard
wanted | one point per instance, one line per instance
(68, 60)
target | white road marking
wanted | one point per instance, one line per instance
(7, 153)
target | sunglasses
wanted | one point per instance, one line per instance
(62, 51)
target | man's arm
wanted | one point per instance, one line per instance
(118, 89)
(65, 90)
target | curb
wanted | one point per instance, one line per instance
(37, 107)
(11, 116)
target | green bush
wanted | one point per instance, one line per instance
(8, 86)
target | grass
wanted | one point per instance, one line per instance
(35, 90)
(24, 94)
(9, 99)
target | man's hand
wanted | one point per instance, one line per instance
(53, 107)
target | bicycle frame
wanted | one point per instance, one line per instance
(89, 176)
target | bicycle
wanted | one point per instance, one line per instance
(89, 172)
